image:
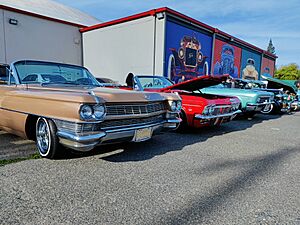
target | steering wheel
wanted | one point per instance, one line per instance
(84, 81)
(33, 77)
(147, 85)
(157, 82)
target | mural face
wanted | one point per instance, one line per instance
(227, 59)
(188, 53)
(250, 65)
(267, 67)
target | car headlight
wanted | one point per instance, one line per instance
(209, 109)
(179, 105)
(88, 112)
(99, 111)
(174, 106)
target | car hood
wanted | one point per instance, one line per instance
(197, 83)
(277, 84)
(235, 91)
(87, 94)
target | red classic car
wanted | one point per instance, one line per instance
(198, 109)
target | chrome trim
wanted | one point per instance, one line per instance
(129, 116)
(260, 104)
(257, 106)
(139, 127)
(223, 106)
(129, 110)
(200, 116)
(88, 141)
(81, 138)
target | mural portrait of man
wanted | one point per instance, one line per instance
(250, 72)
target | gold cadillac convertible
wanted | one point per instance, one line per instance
(60, 105)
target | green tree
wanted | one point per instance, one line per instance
(271, 47)
(288, 72)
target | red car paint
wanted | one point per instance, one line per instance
(194, 103)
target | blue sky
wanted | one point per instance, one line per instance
(255, 21)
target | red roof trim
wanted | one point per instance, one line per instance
(118, 21)
(153, 12)
(40, 16)
(180, 15)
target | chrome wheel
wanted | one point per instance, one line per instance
(43, 136)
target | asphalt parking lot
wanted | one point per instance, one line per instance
(245, 172)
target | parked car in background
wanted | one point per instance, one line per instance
(198, 109)
(288, 88)
(280, 104)
(4, 71)
(252, 101)
(63, 105)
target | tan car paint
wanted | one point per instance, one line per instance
(17, 102)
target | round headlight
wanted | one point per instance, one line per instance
(179, 105)
(211, 110)
(86, 112)
(173, 106)
(99, 111)
(205, 111)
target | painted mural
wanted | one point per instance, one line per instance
(188, 53)
(227, 59)
(250, 65)
(267, 67)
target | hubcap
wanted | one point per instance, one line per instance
(42, 136)
(268, 108)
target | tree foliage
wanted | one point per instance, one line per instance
(288, 72)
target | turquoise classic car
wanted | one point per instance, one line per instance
(252, 101)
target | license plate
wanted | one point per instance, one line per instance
(142, 134)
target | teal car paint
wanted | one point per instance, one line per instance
(252, 101)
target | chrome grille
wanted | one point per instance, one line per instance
(131, 122)
(221, 109)
(138, 109)
(92, 127)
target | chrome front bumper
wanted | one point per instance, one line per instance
(203, 117)
(88, 141)
(256, 106)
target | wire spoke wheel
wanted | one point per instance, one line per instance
(43, 136)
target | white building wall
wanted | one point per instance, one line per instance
(119, 49)
(160, 46)
(2, 43)
(40, 39)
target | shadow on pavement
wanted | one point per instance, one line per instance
(11, 145)
(251, 169)
(177, 141)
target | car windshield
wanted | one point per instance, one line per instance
(154, 82)
(217, 86)
(53, 73)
